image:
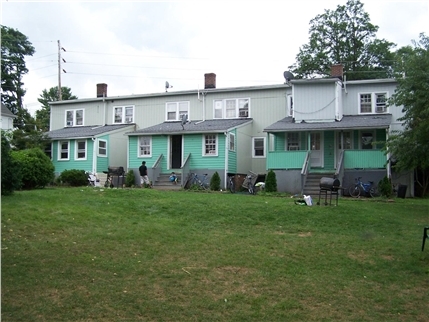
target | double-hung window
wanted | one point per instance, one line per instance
(372, 103)
(231, 142)
(176, 110)
(74, 117)
(231, 108)
(145, 146)
(258, 149)
(210, 145)
(63, 150)
(80, 150)
(292, 141)
(102, 148)
(367, 140)
(123, 114)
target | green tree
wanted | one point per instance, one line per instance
(10, 171)
(410, 147)
(215, 182)
(14, 47)
(43, 115)
(271, 182)
(345, 36)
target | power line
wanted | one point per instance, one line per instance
(132, 55)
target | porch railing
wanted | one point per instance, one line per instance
(285, 159)
(304, 170)
(185, 170)
(364, 159)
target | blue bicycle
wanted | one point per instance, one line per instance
(358, 188)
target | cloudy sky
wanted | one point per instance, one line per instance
(136, 46)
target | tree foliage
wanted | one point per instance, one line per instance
(10, 171)
(410, 147)
(271, 182)
(51, 95)
(345, 36)
(36, 168)
(14, 47)
(215, 182)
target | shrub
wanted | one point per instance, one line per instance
(36, 168)
(385, 187)
(73, 177)
(215, 182)
(271, 182)
(130, 179)
(10, 171)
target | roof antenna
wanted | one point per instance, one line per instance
(167, 86)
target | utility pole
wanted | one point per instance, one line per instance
(60, 98)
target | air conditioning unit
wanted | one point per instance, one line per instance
(244, 113)
(69, 123)
(380, 109)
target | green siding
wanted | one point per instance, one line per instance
(286, 159)
(194, 145)
(103, 162)
(280, 141)
(366, 159)
(232, 156)
(380, 136)
(159, 146)
(72, 163)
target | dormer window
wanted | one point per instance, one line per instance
(74, 117)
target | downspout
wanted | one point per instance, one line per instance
(104, 109)
(388, 167)
(94, 155)
(225, 175)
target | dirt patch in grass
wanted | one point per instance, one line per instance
(307, 234)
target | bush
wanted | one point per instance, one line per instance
(271, 182)
(73, 177)
(36, 168)
(215, 182)
(385, 187)
(130, 179)
(10, 171)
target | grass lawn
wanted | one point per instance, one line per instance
(84, 254)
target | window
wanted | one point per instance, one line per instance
(231, 142)
(63, 150)
(102, 148)
(80, 150)
(74, 117)
(292, 141)
(123, 114)
(347, 140)
(210, 145)
(145, 146)
(290, 105)
(258, 147)
(175, 110)
(231, 108)
(373, 103)
(367, 140)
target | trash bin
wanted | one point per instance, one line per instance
(402, 191)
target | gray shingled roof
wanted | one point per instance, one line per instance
(193, 127)
(348, 122)
(84, 131)
(6, 112)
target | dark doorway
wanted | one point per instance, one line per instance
(176, 151)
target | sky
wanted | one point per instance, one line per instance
(135, 47)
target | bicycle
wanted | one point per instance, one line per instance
(231, 184)
(195, 181)
(358, 187)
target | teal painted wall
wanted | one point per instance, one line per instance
(159, 146)
(103, 162)
(72, 163)
(280, 141)
(232, 155)
(194, 145)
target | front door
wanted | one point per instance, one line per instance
(316, 146)
(176, 151)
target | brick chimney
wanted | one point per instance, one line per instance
(337, 71)
(102, 90)
(210, 80)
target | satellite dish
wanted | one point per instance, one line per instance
(288, 76)
(167, 86)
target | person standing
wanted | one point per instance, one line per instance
(144, 179)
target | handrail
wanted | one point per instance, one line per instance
(156, 169)
(185, 170)
(339, 164)
(304, 171)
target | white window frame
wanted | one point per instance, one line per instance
(147, 146)
(73, 121)
(373, 104)
(99, 148)
(77, 150)
(289, 105)
(350, 133)
(231, 142)
(361, 139)
(206, 152)
(60, 150)
(232, 106)
(179, 108)
(293, 146)
(123, 114)
(254, 146)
